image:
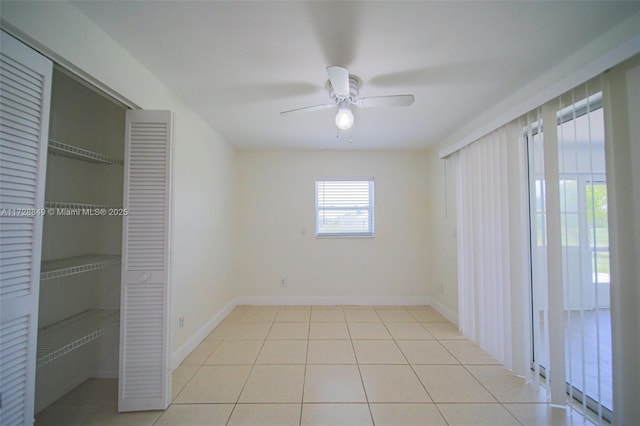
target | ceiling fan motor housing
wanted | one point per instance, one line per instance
(354, 89)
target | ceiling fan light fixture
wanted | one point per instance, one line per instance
(344, 117)
(344, 89)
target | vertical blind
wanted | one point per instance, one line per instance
(492, 289)
(583, 311)
(344, 207)
(566, 325)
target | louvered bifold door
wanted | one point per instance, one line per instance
(144, 333)
(25, 92)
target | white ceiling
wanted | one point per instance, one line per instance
(238, 63)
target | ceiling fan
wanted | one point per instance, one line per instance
(343, 91)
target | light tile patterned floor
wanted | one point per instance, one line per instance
(320, 365)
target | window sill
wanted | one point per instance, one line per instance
(323, 237)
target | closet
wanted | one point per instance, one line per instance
(79, 302)
(85, 203)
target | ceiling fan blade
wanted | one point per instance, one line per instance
(307, 109)
(385, 101)
(339, 77)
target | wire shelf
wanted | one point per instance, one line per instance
(77, 153)
(69, 334)
(76, 206)
(76, 265)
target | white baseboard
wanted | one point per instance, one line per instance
(188, 347)
(450, 315)
(333, 301)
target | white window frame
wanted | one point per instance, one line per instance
(345, 233)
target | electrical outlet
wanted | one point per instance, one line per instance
(283, 283)
(181, 322)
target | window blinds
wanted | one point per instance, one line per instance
(344, 207)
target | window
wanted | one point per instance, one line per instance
(344, 207)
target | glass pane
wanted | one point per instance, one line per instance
(570, 229)
(569, 195)
(540, 196)
(337, 221)
(597, 214)
(598, 225)
(541, 232)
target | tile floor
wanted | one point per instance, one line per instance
(349, 365)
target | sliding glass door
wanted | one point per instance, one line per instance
(581, 213)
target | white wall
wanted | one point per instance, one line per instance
(597, 56)
(443, 273)
(277, 234)
(203, 240)
(203, 280)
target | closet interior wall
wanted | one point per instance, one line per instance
(78, 318)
